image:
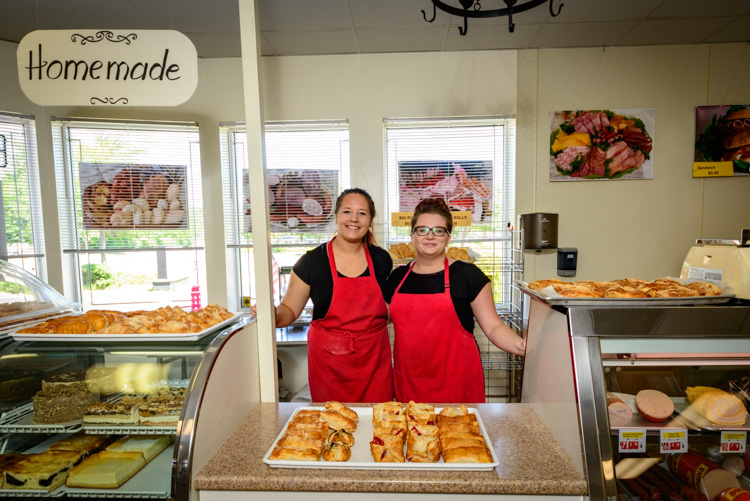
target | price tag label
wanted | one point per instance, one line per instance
(673, 441)
(632, 440)
(713, 169)
(733, 441)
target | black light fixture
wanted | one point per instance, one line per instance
(473, 8)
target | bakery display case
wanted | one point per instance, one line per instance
(636, 381)
(118, 418)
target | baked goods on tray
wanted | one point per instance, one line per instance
(389, 432)
(56, 405)
(148, 445)
(460, 437)
(165, 320)
(628, 288)
(106, 470)
(423, 437)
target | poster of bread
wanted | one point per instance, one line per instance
(465, 185)
(601, 144)
(299, 200)
(133, 197)
(722, 141)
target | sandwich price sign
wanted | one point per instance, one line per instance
(722, 141)
(107, 67)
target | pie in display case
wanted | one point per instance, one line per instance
(659, 394)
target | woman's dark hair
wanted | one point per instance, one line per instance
(370, 237)
(433, 206)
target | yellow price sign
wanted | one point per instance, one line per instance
(246, 302)
(713, 169)
(460, 218)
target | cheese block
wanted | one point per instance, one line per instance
(654, 405)
(45, 471)
(148, 445)
(106, 470)
(717, 405)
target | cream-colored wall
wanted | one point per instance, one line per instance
(621, 228)
(631, 228)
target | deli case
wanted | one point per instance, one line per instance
(582, 353)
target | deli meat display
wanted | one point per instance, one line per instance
(658, 391)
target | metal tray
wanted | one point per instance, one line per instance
(187, 336)
(362, 458)
(610, 302)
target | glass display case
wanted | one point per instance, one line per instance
(77, 409)
(580, 358)
(25, 299)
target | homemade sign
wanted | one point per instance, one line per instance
(103, 67)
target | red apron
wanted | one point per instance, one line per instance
(348, 351)
(434, 358)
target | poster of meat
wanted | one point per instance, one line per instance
(722, 137)
(299, 201)
(133, 197)
(601, 144)
(465, 185)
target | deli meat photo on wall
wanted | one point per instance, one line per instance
(601, 144)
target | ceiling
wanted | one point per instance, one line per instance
(310, 27)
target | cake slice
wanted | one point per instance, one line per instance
(45, 471)
(111, 413)
(159, 413)
(106, 470)
(148, 445)
(81, 442)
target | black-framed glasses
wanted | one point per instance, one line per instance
(438, 231)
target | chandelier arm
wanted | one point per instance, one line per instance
(511, 24)
(552, 12)
(530, 4)
(434, 12)
(465, 29)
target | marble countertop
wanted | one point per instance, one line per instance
(531, 462)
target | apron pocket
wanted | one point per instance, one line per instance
(337, 344)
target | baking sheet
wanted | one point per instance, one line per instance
(630, 302)
(187, 336)
(362, 458)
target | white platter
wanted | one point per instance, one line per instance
(362, 458)
(187, 336)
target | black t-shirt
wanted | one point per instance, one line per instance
(466, 282)
(314, 269)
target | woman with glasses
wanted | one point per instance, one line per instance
(433, 304)
(348, 351)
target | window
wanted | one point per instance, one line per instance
(471, 163)
(307, 166)
(21, 233)
(130, 208)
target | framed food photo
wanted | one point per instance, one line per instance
(464, 184)
(133, 197)
(299, 201)
(722, 141)
(601, 144)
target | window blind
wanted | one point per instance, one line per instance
(21, 229)
(130, 209)
(470, 162)
(307, 167)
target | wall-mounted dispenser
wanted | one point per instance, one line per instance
(567, 261)
(539, 230)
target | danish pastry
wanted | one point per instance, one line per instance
(338, 421)
(341, 437)
(467, 455)
(336, 451)
(346, 411)
(291, 454)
